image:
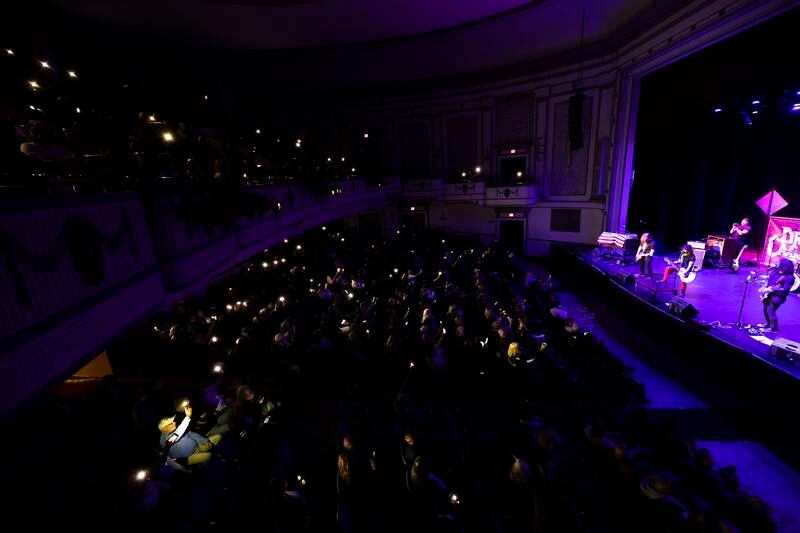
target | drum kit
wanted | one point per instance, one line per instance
(794, 257)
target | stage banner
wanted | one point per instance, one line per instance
(782, 240)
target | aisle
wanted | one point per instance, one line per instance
(760, 471)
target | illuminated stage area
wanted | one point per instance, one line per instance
(717, 295)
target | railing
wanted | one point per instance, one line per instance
(472, 192)
(423, 189)
(512, 195)
(77, 269)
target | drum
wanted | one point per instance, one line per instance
(794, 258)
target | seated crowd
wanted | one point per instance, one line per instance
(439, 376)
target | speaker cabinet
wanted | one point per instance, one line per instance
(680, 307)
(786, 350)
(575, 121)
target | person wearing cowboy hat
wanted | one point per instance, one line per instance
(183, 446)
(661, 502)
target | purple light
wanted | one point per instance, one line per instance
(756, 102)
(718, 110)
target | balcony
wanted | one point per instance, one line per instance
(423, 189)
(512, 195)
(76, 270)
(472, 192)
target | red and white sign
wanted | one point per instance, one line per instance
(782, 240)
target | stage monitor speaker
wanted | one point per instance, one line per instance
(786, 350)
(682, 308)
(575, 121)
(625, 279)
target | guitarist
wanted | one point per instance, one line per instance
(644, 255)
(682, 267)
(774, 293)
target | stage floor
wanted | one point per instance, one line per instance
(717, 295)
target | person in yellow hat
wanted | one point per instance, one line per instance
(185, 447)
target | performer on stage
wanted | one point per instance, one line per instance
(644, 255)
(774, 293)
(684, 265)
(741, 235)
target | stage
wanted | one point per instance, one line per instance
(716, 295)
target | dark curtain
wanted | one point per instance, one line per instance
(698, 171)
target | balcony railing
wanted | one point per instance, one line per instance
(77, 269)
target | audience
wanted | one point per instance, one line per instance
(440, 376)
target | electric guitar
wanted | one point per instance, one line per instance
(686, 277)
(735, 262)
(643, 253)
(765, 291)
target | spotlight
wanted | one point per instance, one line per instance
(168, 137)
(413, 208)
(513, 151)
(258, 132)
(78, 110)
(285, 241)
(463, 174)
(205, 97)
(755, 112)
(324, 228)
(511, 215)
(297, 144)
(329, 160)
(366, 135)
(756, 102)
(519, 173)
(217, 368)
(45, 64)
(265, 265)
(34, 85)
(353, 169)
(477, 170)
(343, 160)
(281, 299)
(718, 110)
(72, 74)
(141, 475)
(299, 246)
(747, 119)
(10, 52)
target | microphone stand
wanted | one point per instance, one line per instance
(747, 282)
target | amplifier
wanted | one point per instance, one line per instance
(699, 248)
(786, 350)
